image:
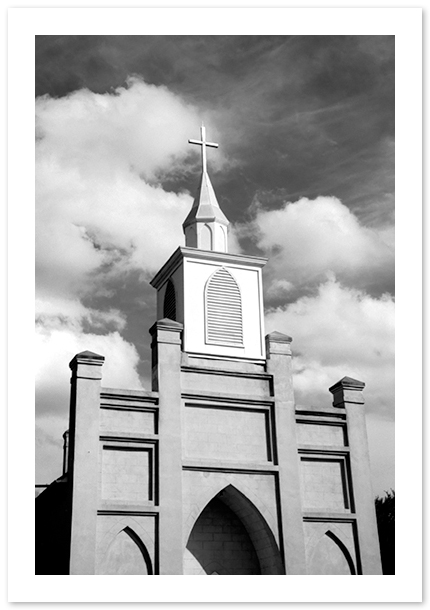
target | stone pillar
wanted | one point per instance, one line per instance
(166, 378)
(83, 459)
(348, 394)
(279, 365)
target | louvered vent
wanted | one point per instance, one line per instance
(223, 310)
(169, 310)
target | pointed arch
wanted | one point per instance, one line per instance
(257, 529)
(142, 548)
(169, 306)
(136, 534)
(126, 554)
(223, 310)
(344, 550)
(330, 556)
(206, 237)
(222, 239)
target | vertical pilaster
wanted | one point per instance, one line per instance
(166, 374)
(348, 394)
(83, 459)
(279, 365)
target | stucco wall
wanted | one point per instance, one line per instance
(225, 434)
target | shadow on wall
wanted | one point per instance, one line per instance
(231, 537)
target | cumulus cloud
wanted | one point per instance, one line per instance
(340, 331)
(101, 212)
(309, 238)
(98, 201)
(55, 349)
(57, 341)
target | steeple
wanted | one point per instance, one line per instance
(206, 226)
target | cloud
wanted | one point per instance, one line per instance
(308, 239)
(340, 331)
(56, 347)
(98, 201)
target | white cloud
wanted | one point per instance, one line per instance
(100, 213)
(338, 332)
(310, 238)
(98, 202)
(57, 313)
(56, 348)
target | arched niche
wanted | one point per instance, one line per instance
(126, 555)
(331, 557)
(231, 536)
(206, 238)
(169, 304)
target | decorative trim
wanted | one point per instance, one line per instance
(335, 419)
(339, 451)
(320, 517)
(131, 513)
(269, 470)
(133, 395)
(135, 408)
(148, 438)
(338, 414)
(226, 373)
(180, 253)
(251, 401)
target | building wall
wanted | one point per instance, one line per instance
(216, 471)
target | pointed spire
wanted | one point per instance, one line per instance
(206, 225)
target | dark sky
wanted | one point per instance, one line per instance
(303, 115)
(304, 172)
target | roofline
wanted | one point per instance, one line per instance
(196, 253)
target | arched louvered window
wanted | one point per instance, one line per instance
(169, 309)
(223, 305)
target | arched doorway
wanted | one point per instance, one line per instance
(231, 537)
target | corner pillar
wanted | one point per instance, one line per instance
(166, 380)
(279, 365)
(83, 459)
(348, 394)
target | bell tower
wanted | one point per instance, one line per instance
(217, 296)
(215, 470)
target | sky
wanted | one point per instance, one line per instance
(304, 172)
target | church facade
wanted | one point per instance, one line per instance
(215, 470)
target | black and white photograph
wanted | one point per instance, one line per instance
(215, 304)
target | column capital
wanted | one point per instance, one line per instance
(278, 343)
(86, 361)
(347, 390)
(167, 331)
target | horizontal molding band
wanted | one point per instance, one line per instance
(330, 517)
(116, 438)
(125, 397)
(315, 412)
(138, 408)
(336, 450)
(131, 513)
(230, 407)
(250, 401)
(273, 470)
(225, 372)
(326, 421)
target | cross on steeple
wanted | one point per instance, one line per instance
(203, 144)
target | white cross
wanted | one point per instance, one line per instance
(203, 144)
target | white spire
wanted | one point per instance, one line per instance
(206, 227)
